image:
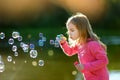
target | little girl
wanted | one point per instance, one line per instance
(85, 43)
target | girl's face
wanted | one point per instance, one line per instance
(73, 32)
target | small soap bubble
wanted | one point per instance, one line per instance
(41, 43)
(74, 72)
(56, 44)
(44, 39)
(14, 48)
(32, 46)
(19, 38)
(29, 36)
(40, 34)
(50, 52)
(11, 41)
(15, 34)
(52, 42)
(41, 62)
(34, 63)
(2, 35)
(33, 53)
(58, 38)
(25, 61)
(21, 44)
(9, 58)
(15, 53)
(25, 50)
(13, 62)
(25, 47)
(2, 66)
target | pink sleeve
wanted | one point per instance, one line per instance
(100, 55)
(69, 51)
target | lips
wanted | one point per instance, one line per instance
(70, 37)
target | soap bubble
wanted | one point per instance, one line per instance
(15, 35)
(56, 43)
(34, 63)
(74, 72)
(14, 48)
(11, 41)
(33, 53)
(21, 44)
(13, 62)
(24, 46)
(59, 37)
(25, 61)
(50, 52)
(32, 46)
(40, 34)
(2, 35)
(40, 42)
(52, 42)
(41, 62)
(43, 39)
(15, 53)
(19, 38)
(9, 58)
(29, 36)
(25, 49)
(2, 66)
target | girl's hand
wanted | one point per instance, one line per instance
(61, 38)
(79, 66)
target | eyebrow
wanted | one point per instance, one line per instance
(72, 28)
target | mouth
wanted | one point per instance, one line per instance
(70, 37)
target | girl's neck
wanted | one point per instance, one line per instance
(81, 42)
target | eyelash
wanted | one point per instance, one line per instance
(68, 31)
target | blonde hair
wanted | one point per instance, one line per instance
(83, 25)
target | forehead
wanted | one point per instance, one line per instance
(71, 26)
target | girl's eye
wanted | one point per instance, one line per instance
(72, 30)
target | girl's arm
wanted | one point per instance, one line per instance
(69, 51)
(101, 57)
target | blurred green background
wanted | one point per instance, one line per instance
(31, 17)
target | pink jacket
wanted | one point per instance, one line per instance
(93, 57)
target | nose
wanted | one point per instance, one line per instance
(70, 35)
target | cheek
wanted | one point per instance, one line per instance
(72, 33)
(77, 35)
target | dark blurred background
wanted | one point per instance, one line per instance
(51, 13)
(30, 17)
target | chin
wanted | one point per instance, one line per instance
(72, 38)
